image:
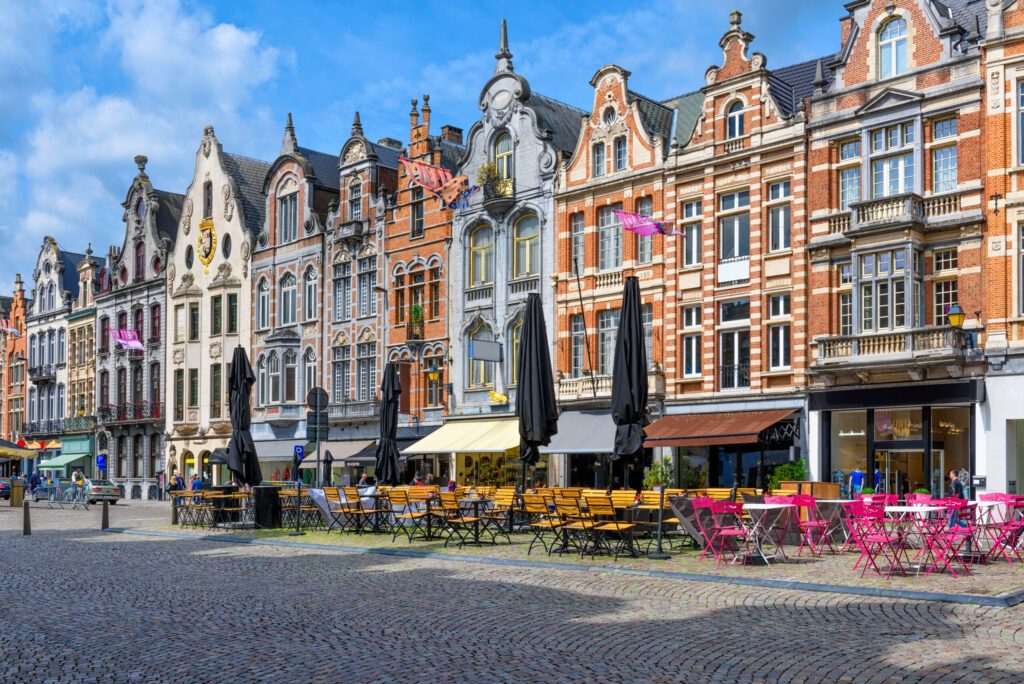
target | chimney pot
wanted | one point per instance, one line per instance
(451, 134)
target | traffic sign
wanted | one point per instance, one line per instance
(299, 452)
(316, 399)
(316, 434)
(314, 419)
(101, 461)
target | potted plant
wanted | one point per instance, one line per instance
(787, 472)
(868, 490)
(659, 473)
(490, 180)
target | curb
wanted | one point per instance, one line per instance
(1004, 600)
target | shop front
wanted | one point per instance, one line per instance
(60, 467)
(899, 439)
(580, 453)
(483, 452)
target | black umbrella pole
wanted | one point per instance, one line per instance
(298, 508)
(660, 554)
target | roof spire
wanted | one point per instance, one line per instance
(357, 126)
(289, 144)
(140, 161)
(819, 77)
(503, 55)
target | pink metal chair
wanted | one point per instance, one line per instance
(918, 499)
(705, 521)
(811, 524)
(947, 547)
(728, 533)
(877, 543)
(1006, 534)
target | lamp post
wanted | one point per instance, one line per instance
(955, 316)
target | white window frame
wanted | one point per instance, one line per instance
(597, 159)
(734, 120)
(780, 220)
(309, 295)
(577, 346)
(609, 238)
(779, 347)
(620, 153)
(945, 168)
(892, 47)
(607, 329)
(692, 355)
(289, 296)
(645, 243)
(262, 307)
(577, 233)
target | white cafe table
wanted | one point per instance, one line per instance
(770, 515)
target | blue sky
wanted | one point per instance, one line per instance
(86, 86)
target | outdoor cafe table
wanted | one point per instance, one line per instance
(765, 517)
(475, 502)
(831, 510)
(907, 521)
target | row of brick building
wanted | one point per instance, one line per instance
(840, 280)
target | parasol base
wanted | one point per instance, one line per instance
(658, 556)
(295, 534)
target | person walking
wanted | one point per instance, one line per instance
(197, 483)
(77, 479)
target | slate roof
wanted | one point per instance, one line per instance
(325, 167)
(386, 156)
(5, 306)
(169, 215)
(964, 11)
(688, 108)
(655, 116)
(70, 275)
(561, 119)
(451, 153)
(791, 84)
(249, 175)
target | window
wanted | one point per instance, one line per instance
(179, 326)
(892, 175)
(849, 150)
(691, 316)
(341, 389)
(735, 311)
(577, 346)
(691, 356)
(232, 314)
(155, 323)
(526, 252)
(734, 120)
(849, 187)
(945, 128)
(309, 370)
(503, 160)
(944, 260)
(355, 200)
(179, 393)
(892, 48)
(734, 350)
(193, 322)
(207, 200)
(216, 398)
(845, 274)
(944, 168)
(691, 233)
(399, 299)
(1020, 122)
(289, 293)
(481, 373)
(597, 160)
(609, 238)
(216, 313)
(140, 261)
(193, 387)
(343, 291)
(309, 301)
(416, 213)
(154, 388)
(290, 376)
(578, 254)
(883, 300)
(287, 218)
(620, 154)
(734, 237)
(122, 386)
(778, 343)
(435, 388)
(647, 318)
(105, 388)
(367, 281)
(778, 306)
(435, 293)
(645, 243)
(225, 246)
(62, 343)
(481, 256)
(516, 337)
(846, 314)
(366, 370)
(274, 374)
(608, 117)
(607, 329)
(945, 296)
(779, 216)
(263, 305)
(261, 381)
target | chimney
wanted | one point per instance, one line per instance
(426, 111)
(414, 116)
(390, 142)
(451, 134)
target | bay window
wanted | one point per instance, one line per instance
(888, 295)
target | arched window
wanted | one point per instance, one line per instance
(138, 386)
(104, 389)
(309, 301)
(290, 371)
(52, 297)
(274, 373)
(31, 351)
(137, 455)
(892, 48)
(734, 120)
(61, 346)
(516, 335)
(154, 455)
(481, 256)
(287, 218)
(309, 370)
(60, 402)
(288, 295)
(526, 252)
(263, 305)
(355, 200)
(261, 381)
(504, 160)
(122, 386)
(104, 341)
(481, 373)
(32, 405)
(140, 261)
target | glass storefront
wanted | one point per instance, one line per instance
(498, 470)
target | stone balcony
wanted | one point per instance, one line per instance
(598, 388)
(37, 428)
(499, 195)
(910, 351)
(139, 412)
(43, 373)
(479, 296)
(349, 411)
(897, 211)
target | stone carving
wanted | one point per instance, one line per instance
(355, 153)
(312, 224)
(170, 276)
(186, 216)
(215, 350)
(207, 143)
(178, 357)
(366, 336)
(229, 202)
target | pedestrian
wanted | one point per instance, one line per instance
(33, 482)
(363, 481)
(179, 481)
(286, 474)
(197, 483)
(956, 491)
(77, 479)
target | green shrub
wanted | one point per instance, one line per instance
(868, 490)
(922, 490)
(787, 472)
(660, 472)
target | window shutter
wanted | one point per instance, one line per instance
(405, 378)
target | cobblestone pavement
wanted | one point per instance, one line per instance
(79, 605)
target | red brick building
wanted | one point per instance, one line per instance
(14, 380)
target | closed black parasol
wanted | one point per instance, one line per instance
(387, 446)
(629, 380)
(241, 454)
(535, 389)
(328, 460)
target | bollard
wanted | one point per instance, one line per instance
(174, 510)
(105, 519)
(26, 524)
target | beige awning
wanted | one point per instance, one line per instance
(340, 450)
(469, 437)
(13, 451)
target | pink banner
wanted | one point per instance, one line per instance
(7, 326)
(127, 339)
(643, 225)
(428, 177)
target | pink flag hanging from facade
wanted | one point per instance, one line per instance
(428, 177)
(127, 339)
(7, 326)
(643, 225)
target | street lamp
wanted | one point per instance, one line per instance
(955, 315)
(432, 373)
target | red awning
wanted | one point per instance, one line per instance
(704, 429)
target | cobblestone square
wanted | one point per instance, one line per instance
(81, 605)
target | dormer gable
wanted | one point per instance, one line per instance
(735, 44)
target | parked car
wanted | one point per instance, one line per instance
(42, 492)
(5, 488)
(103, 490)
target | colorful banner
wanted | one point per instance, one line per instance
(643, 225)
(127, 339)
(7, 326)
(453, 192)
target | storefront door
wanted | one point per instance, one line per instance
(900, 471)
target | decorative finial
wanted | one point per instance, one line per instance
(357, 126)
(503, 55)
(208, 130)
(88, 247)
(414, 103)
(819, 76)
(140, 161)
(289, 143)
(734, 18)
(426, 101)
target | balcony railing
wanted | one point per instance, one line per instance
(352, 229)
(736, 376)
(898, 209)
(54, 426)
(611, 279)
(44, 373)
(499, 194)
(585, 387)
(733, 145)
(80, 424)
(414, 330)
(130, 413)
(524, 286)
(839, 223)
(351, 410)
(938, 341)
(479, 295)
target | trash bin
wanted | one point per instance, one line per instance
(17, 493)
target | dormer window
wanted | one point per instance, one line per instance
(287, 218)
(734, 120)
(892, 48)
(597, 160)
(609, 116)
(503, 157)
(140, 209)
(207, 200)
(355, 200)
(140, 261)
(620, 154)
